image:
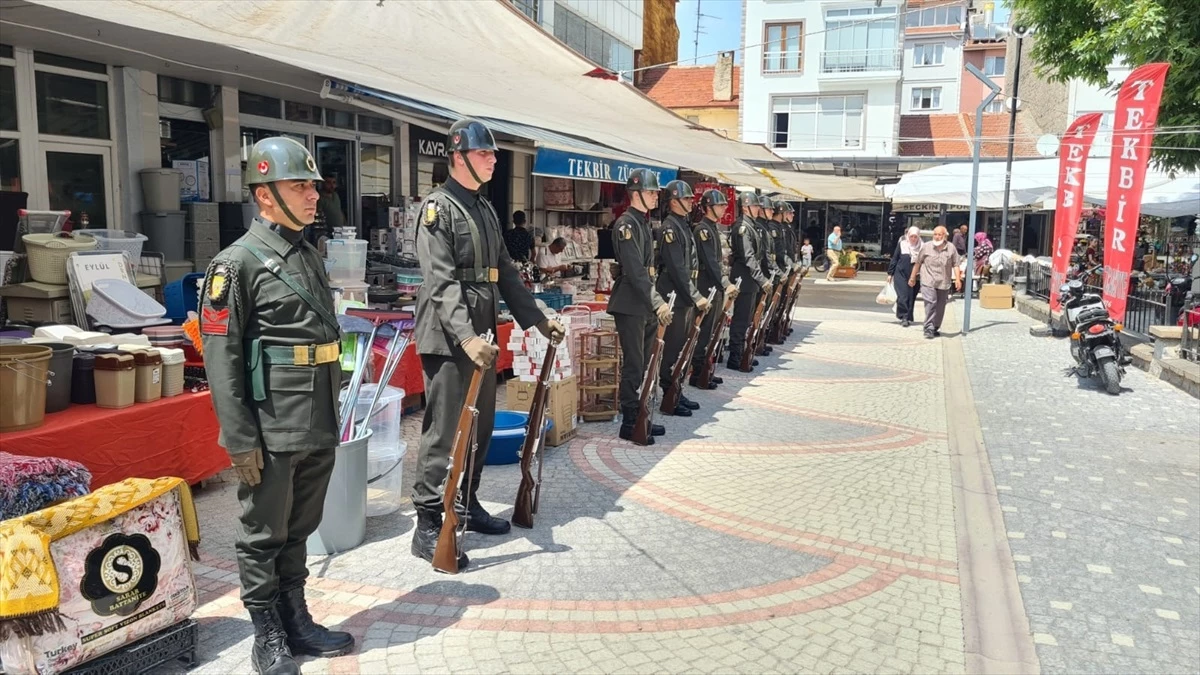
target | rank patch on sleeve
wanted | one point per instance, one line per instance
(431, 213)
(626, 232)
(218, 283)
(214, 321)
(703, 235)
(669, 236)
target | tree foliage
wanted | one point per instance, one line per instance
(1081, 38)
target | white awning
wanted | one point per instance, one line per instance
(811, 186)
(481, 59)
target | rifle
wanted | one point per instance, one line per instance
(462, 463)
(704, 377)
(750, 349)
(771, 309)
(645, 418)
(780, 324)
(684, 361)
(530, 489)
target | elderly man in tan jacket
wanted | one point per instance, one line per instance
(937, 263)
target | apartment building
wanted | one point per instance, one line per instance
(608, 32)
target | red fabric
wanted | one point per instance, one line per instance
(408, 375)
(1133, 131)
(1072, 165)
(174, 436)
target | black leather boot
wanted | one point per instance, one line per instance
(714, 379)
(305, 636)
(425, 536)
(270, 654)
(689, 403)
(479, 520)
(658, 430)
(626, 434)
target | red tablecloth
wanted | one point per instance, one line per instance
(174, 436)
(408, 375)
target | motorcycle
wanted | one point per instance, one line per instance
(1095, 337)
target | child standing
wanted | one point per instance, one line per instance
(806, 253)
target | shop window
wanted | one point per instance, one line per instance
(185, 92)
(47, 59)
(375, 164)
(8, 99)
(10, 165)
(187, 142)
(374, 125)
(6, 52)
(77, 183)
(339, 119)
(71, 106)
(254, 104)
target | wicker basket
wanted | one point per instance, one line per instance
(48, 254)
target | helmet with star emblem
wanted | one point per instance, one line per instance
(678, 189)
(642, 180)
(280, 158)
(713, 197)
(469, 134)
(749, 199)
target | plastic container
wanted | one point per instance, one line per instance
(118, 240)
(350, 292)
(147, 375)
(508, 436)
(165, 336)
(83, 378)
(183, 295)
(172, 371)
(119, 304)
(48, 254)
(58, 394)
(166, 232)
(385, 453)
(344, 518)
(116, 382)
(24, 379)
(160, 189)
(346, 259)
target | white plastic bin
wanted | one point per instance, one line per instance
(346, 259)
(385, 454)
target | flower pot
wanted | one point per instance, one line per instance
(845, 272)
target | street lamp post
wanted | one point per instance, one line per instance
(969, 281)
(1012, 130)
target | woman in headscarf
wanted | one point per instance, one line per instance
(899, 271)
(983, 251)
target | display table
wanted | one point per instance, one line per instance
(174, 436)
(408, 375)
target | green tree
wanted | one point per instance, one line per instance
(1081, 38)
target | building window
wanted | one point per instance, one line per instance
(6, 52)
(339, 119)
(528, 7)
(860, 40)
(301, 112)
(374, 125)
(46, 59)
(996, 106)
(935, 16)
(185, 92)
(8, 98)
(71, 106)
(254, 104)
(187, 142)
(818, 122)
(928, 54)
(590, 41)
(993, 65)
(10, 165)
(694, 119)
(927, 98)
(783, 47)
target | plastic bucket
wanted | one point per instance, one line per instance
(344, 519)
(385, 481)
(58, 394)
(23, 383)
(508, 436)
(385, 452)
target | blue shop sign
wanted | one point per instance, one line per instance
(560, 164)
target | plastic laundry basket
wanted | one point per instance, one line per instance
(117, 240)
(48, 254)
(344, 519)
(116, 303)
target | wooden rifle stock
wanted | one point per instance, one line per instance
(750, 348)
(771, 309)
(462, 461)
(645, 418)
(780, 324)
(530, 489)
(704, 377)
(683, 362)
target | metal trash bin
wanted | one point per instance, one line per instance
(344, 518)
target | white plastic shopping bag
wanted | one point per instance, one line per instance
(887, 295)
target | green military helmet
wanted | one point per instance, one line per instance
(280, 158)
(469, 134)
(786, 206)
(750, 199)
(713, 197)
(643, 179)
(678, 189)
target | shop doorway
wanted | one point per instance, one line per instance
(78, 178)
(499, 188)
(338, 164)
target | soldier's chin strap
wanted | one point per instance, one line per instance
(283, 206)
(467, 160)
(641, 197)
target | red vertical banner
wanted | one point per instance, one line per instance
(1133, 131)
(1072, 167)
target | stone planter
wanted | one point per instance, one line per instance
(845, 272)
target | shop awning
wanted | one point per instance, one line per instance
(560, 164)
(811, 186)
(481, 59)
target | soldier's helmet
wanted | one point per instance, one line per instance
(678, 189)
(642, 180)
(713, 198)
(749, 199)
(280, 158)
(469, 134)
(786, 206)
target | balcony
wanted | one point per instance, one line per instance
(861, 64)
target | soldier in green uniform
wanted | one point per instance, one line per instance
(467, 272)
(635, 303)
(793, 247)
(783, 254)
(707, 239)
(271, 353)
(764, 223)
(678, 269)
(746, 262)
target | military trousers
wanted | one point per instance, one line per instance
(278, 515)
(446, 381)
(673, 339)
(715, 313)
(636, 334)
(743, 313)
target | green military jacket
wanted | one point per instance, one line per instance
(245, 309)
(746, 260)
(783, 254)
(466, 270)
(677, 262)
(633, 290)
(707, 238)
(766, 250)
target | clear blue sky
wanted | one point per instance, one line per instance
(720, 28)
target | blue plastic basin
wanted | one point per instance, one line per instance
(508, 436)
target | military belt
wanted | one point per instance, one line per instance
(302, 355)
(483, 275)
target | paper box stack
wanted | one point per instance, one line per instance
(529, 350)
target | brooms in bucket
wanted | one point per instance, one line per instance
(372, 322)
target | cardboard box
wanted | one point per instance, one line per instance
(562, 407)
(996, 296)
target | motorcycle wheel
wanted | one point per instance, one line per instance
(1110, 376)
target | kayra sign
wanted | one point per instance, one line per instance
(431, 148)
(560, 164)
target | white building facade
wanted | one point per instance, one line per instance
(605, 31)
(933, 58)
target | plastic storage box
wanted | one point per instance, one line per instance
(166, 230)
(117, 240)
(172, 371)
(346, 259)
(115, 380)
(147, 364)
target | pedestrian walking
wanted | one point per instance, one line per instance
(937, 265)
(899, 271)
(710, 253)
(833, 249)
(960, 240)
(467, 272)
(678, 267)
(270, 342)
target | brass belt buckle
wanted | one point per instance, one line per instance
(300, 355)
(326, 353)
(652, 272)
(493, 275)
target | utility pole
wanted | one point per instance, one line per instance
(970, 276)
(696, 40)
(1012, 131)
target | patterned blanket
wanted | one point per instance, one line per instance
(29, 584)
(29, 484)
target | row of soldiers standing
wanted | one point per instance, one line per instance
(686, 260)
